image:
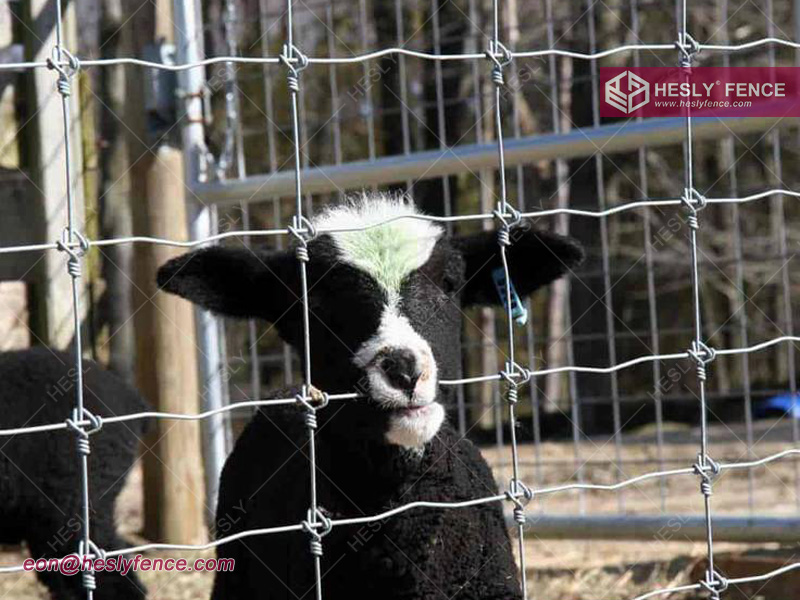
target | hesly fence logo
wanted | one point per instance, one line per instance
(700, 91)
(635, 96)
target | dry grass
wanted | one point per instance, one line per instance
(565, 569)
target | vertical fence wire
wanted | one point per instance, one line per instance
(475, 104)
(234, 148)
(508, 218)
(441, 127)
(74, 238)
(530, 333)
(652, 305)
(604, 248)
(702, 354)
(308, 198)
(368, 107)
(779, 208)
(402, 73)
(472, 41)
(523, 204)
(269, 86)
(231, 159)
(222, 374)
(295, 61)
(333, 85)
(536, 409)
(729, 154)
(512, 27)
(264, 41)
(498, 78)
(233, 110)
(562, 220)
(733, 185)
(461, 409)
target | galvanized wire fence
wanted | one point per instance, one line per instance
(506, 216)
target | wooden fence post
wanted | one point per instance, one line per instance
(46, 164)
(167, 363)
(165, 331)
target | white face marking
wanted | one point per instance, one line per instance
(389, 253)
(416, 419)
(396, 333)
(417, 428)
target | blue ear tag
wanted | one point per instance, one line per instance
(518, 312)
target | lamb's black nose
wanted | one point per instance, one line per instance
(400, 368)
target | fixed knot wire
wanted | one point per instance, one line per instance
(295, 61)
(714, 583)
(300, 225)
(302, 252)
(708, 470)
(66, 71)
(520, 495)
(95, 425)
(501, 57)
(509, 217)
(312, 399)
(514, 375)
(702, 356)
(317, 525)
(74, 254)
(694, 202)
(688, 47)
(88, 580)
(87, 576)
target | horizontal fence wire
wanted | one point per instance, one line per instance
(256, 233)
(296, 527)
(268, 402)
(65, 66)
(348, 60)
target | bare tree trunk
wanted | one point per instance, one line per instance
(116, 219)
(559, 291)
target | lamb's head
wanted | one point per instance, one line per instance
(386, 289)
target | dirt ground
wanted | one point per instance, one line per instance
(577, 569)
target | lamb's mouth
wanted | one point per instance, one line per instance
(413, 425)
(413, 410)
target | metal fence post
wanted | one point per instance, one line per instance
(189, 42)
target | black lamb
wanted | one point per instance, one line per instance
(385, 305)
(40, 493)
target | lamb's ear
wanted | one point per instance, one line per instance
(236, 282)
(535, 258)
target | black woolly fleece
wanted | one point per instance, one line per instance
(420, 554)
(40, 493)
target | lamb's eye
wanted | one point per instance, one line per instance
(448, 286)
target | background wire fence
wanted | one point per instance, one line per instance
(632, 204)
(632, 299)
